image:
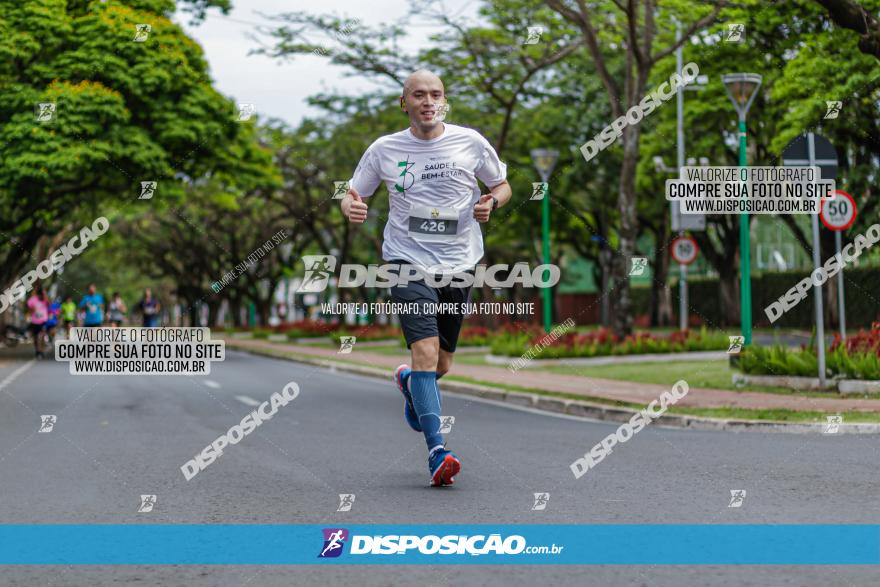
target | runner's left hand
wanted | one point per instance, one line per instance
(483, 209)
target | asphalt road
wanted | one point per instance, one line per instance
(119, 437)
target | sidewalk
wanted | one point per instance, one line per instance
(639, 393)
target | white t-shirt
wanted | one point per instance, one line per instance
(433, 189)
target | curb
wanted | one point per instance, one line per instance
(577, 408)
(843, 386)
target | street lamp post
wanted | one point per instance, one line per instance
(683, 311)
(741, 89)
(694, 222)
(545, 161)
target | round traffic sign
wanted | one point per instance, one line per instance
(838, 212)
(684, 250)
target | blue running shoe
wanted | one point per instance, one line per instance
(409, 411)
(443, 465)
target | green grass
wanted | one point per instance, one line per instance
(713, 374)
(392, 351)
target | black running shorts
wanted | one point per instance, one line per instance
(421, 323)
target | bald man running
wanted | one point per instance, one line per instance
(431, 171)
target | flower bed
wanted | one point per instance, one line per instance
(602, 343)
(856, 358)
(474, 336)
(367, 333)
(306, 329)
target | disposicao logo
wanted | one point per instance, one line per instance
(334, 540)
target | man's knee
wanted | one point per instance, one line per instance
(425, 354)
(444, 363)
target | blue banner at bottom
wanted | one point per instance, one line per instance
(523, 544)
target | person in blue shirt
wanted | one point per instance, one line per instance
(150, 308)
(52, 322)
(94, 307)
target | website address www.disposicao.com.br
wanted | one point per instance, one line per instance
(335, 540)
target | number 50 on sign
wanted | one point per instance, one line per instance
(839, 211)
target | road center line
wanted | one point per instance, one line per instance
(248, 401)
(211, 383)
(12, 376)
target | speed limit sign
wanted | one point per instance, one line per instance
(839, 211)
(684, 250)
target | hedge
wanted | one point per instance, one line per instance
(602, 342)
(861, 285)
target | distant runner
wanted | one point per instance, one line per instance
(38, 314)
(93, 304)
(52, 322)
(149, 307)
(117, 310)
(68, 314)
(431, 171)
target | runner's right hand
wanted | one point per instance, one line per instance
(357, 209)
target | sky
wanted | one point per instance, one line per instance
(279, 89)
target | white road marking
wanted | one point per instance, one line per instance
(248, 401)
(12, 376)
(211, 383)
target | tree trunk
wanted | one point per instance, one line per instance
(213, 307)
(193, 314)
(264, 311)
(661, 295)
(831, 307)
(604, 279)
(621, 301)
(728, 294)
(235, 310)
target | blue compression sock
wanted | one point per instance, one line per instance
(408, 373)
(426, 401)
(439, 397)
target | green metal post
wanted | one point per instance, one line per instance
(745, 245)
(545, 233)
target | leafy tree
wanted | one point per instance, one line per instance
(125, 111)
(629, 32)
(861, 19)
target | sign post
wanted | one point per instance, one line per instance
(838, 214)
(679, 221)
(684, 252)
(814, 150)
